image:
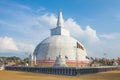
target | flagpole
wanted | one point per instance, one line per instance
(76, 59)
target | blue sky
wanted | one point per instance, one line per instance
(24, 23)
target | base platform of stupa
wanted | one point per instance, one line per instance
(70, 71)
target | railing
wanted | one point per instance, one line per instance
(71, 71)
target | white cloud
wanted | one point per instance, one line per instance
(7, 44)
(109, 44)
(110, 36)
(15, 5)
(88, 34)
(26, 47)
(73, 27)
(23, 7)
(48, 20)
(40, 9)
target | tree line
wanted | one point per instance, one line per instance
(13, 60)
(104, 61)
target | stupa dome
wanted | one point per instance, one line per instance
(60, 40)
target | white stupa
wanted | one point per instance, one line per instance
(60, 61)
(48, 49)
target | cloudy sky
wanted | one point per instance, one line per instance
(25, 23)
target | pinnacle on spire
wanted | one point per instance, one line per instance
(60, 19)
(60, 29)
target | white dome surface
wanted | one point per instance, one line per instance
(51, 47)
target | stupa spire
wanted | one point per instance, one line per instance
(60, 19)
(60, 29)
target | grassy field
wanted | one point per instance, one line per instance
(15, 75)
